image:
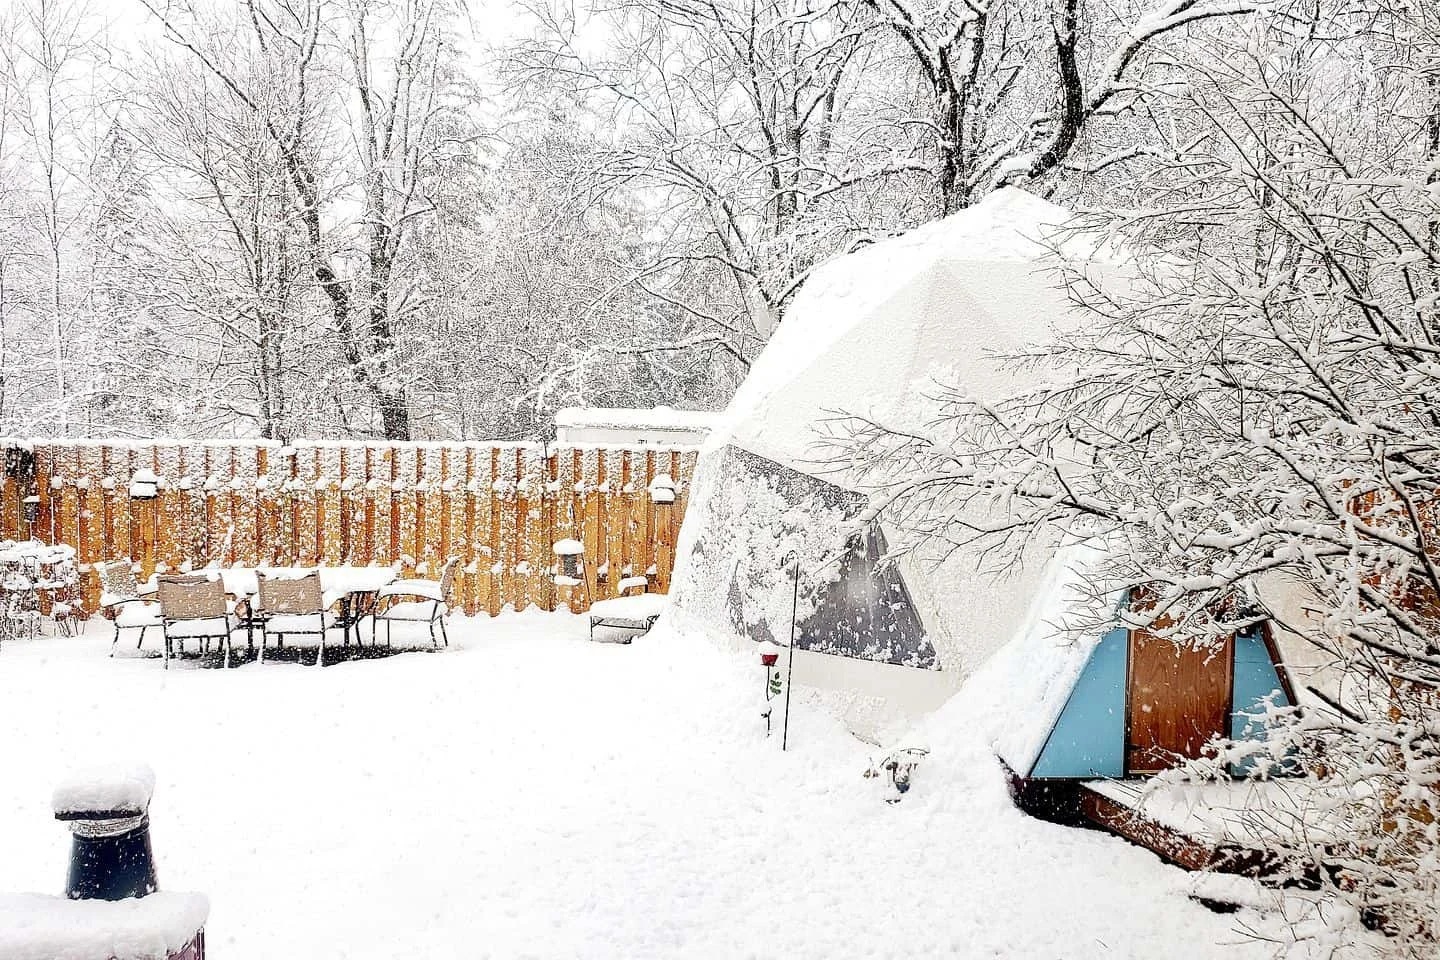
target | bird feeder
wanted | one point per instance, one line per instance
(662, 489)
(568, 555)
(144, 485)
(769, 653)
(32, 509)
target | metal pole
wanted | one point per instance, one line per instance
(790, 668)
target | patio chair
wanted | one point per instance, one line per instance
(292, 605)
(128, 605)
(633, 613)
(194, 608)
(419, 601)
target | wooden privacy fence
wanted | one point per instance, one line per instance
(499, 508)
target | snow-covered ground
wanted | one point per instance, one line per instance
(529, 794)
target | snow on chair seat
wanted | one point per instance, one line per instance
(197, 628)
(426, 589)
(138, 616)
(417, 610)
(629, 583)
(636, 613)
(195, 607)
(288, 606)
(286, 623)
(641, 606)
(141, 617)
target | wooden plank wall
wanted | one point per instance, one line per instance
(499, 509)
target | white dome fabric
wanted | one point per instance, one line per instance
(868, 335)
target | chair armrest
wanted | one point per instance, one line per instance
(107, 601)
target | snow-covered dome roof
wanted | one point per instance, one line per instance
(870, 331)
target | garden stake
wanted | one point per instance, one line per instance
(790, 669)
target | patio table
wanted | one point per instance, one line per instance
(352, 587)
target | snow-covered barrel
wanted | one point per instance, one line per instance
(108, 811)
(111, 909)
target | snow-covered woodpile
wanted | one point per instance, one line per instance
(499, 508)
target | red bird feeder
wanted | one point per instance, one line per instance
(769, 653)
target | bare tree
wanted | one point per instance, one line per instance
(233, 236)
(733, 117)
(45, 62)
(1013, 86)
(392, 130)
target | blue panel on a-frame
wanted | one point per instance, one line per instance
(1256, 680)
(1088, 740)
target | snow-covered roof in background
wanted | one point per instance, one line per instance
(869, 332)
(648, 418)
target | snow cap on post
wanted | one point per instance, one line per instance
(568, 548)
(104, 791)
(662, 489)
(144, 485)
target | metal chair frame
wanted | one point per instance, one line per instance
(290, 596)
(438, 611)
(193, 598)
(117, 578)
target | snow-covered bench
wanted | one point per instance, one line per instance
(635, 614)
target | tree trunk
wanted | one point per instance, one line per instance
(389, 393)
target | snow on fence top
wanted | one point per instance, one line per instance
(117, 787)
(653, 425)
(287, 447)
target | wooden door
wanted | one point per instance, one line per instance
(1178, 699)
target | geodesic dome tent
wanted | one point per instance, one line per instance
(868, 334)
